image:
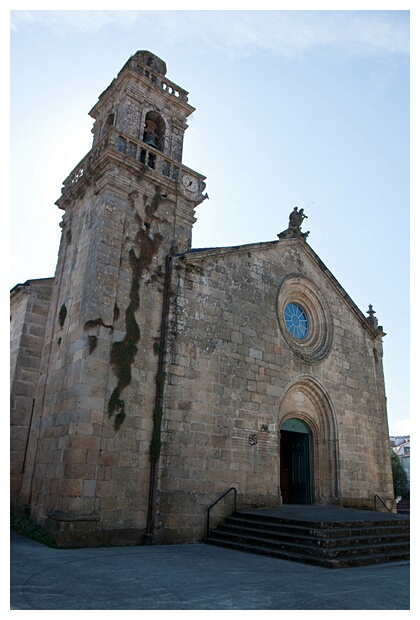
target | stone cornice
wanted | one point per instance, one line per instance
(25, 286)
(106, 154)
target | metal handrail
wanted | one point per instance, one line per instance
(216, 502)
(383, 504)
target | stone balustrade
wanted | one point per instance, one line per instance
(136, 149)
(145, 154)
(166, 85)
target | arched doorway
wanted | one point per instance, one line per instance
(306, 403)
(296, 469)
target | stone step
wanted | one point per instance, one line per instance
(337, 531)
(324, 525)
(342, 562)
(294, 546)
(326, 543)
(403, 506)
(311, 538)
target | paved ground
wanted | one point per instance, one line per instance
(193, 577)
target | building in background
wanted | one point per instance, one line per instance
(401, 446)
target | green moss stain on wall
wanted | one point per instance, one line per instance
(124, 352)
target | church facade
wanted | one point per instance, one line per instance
(165, 375)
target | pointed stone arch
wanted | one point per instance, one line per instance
(306, 399)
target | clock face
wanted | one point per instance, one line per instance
(190, 183)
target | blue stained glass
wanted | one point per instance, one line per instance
(296, 321)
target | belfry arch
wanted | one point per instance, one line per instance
(153, 132)
(307, 400)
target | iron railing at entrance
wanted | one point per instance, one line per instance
(383, 504)
(217, 501)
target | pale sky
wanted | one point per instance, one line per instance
(293, 108)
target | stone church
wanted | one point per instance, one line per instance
(149, 377)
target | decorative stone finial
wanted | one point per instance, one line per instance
(374, 321)
(295, 220)
(370, 311)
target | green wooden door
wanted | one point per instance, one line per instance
(300, 479)
(296, 468)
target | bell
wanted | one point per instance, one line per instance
(150, 139)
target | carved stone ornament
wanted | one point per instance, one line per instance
(295, 220)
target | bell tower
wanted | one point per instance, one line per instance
(143, 116)
(127, 205)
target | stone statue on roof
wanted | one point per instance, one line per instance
(295, 220)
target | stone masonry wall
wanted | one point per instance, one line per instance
(232, 379)
(93, 421)
(28, 315)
